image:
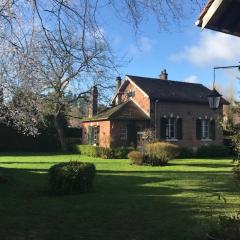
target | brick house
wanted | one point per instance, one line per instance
(177, 112)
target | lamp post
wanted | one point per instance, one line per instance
(214, 97)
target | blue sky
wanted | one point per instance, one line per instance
(187, 53)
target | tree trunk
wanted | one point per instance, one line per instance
(60, 132)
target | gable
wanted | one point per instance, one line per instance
(131, 91)
(130, 111)
(125, 110)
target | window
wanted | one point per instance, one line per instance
(96, 135)
(93, 135)
(204, 129)
(171, 128)
(90, 128)
(123, 133)
(131, 94)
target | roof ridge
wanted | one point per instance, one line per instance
(164, 80)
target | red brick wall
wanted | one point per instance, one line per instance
(104, 134)
(109, 135)
(140, 98)
(189, 113)
(116, 127)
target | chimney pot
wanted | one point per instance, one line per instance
(119, 95)
(163, 75)
(118, 83)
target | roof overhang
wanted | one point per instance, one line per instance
(223, 101)
(119, 113)
(221, 16)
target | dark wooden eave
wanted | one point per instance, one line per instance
(222, 16)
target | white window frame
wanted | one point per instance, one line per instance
(123, 133)
(205, 129)
(171, 128)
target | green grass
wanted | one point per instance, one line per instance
(174, 202)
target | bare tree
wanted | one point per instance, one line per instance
(133, 11)
(50, 47)
(46, 61)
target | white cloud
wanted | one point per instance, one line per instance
(191, 79)
(211, 48)
(143, 45)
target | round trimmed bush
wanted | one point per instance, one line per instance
(136, 157)
(71, 177)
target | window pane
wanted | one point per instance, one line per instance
(123, 133)
(205, 129)
(171, 128)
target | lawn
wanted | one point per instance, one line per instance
(174, 202)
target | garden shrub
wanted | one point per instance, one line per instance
(212, 151)
(88, 150)
(160, 153)
(186, 152)
(71, 177)
(122, 152)
(136, 157)
(94, 151)
(106, 153)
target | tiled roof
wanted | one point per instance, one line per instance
(105, 114)
(119, 112)
(167, 90)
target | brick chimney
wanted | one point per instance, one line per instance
(163, 75)
(118, 83)
(93, 102)
(119, 95)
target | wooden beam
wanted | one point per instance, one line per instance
(216, 5)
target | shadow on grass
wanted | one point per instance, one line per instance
(207, 165)
(125, 205)
(30, 154)
(32, 163)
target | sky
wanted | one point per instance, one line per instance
(187, 53)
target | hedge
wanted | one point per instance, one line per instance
(71, 177)
(108, 153)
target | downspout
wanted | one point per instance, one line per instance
(155, 120)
